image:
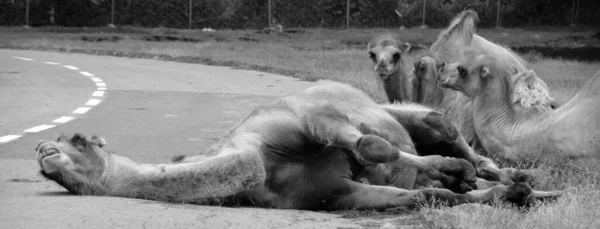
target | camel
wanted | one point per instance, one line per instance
(304, 151)
(388, 54)
(513, 117)
(420, 84)
(404, 82)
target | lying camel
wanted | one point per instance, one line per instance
(512, 115)
(304, 151)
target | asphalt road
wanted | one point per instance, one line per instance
(147, 110)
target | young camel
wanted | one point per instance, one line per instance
(393, 68)
(512, 115)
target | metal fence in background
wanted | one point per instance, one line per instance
(260, 13)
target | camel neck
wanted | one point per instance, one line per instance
(502, 127)
(394, 89)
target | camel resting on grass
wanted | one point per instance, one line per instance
(512, 115)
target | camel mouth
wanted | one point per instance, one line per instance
(46, 149)
(444, 82)
(49, 152)
(385, 75)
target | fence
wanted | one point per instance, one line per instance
(292, 13)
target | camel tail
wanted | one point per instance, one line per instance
(459, 32)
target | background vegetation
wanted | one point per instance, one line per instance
(294, 13)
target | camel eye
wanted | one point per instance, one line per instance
(441, 65)
(417, 66)
(396, 57)
(373, 57)
(462, 71)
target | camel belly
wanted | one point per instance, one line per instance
(315, 183)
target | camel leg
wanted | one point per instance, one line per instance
(237, 167)
(429, 129)
(366, 196)
(432, 131)
(329, 126)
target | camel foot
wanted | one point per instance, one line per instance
(376, 149)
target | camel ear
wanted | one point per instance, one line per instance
(484, 72)
(369, 46)
(405, 47)
(419, 65)
(531, 91)
(440, 65)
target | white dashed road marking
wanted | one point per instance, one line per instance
(80, 110)
(87, 74)
(98, 93)
(63, 119)
(71, 67)
(9, 138)
(92, 102)
(38, 128)
(23, 58)
(95, 79)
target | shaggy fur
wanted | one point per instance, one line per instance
(531, 92)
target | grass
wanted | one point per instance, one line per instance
(340, 55)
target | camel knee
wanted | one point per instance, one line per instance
(376, 149)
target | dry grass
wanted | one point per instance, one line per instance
(340, 55)
(578, 209)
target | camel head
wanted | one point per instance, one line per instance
(426, 72)
(472, 76)
(76, 163)
(487, 73)
(386, 53)
(457, 77)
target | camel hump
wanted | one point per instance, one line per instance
(460, 31)
(594, 83)
(591, 88)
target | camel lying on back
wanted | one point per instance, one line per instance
(304, 151)
(512, 117)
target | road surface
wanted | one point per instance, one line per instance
(147, 110)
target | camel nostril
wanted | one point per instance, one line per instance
(37, 148)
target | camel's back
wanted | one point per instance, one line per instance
(488, 48)
(575, 126)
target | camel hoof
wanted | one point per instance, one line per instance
(376, 149)
(523, 177)
(458, 175)
(519, 194)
